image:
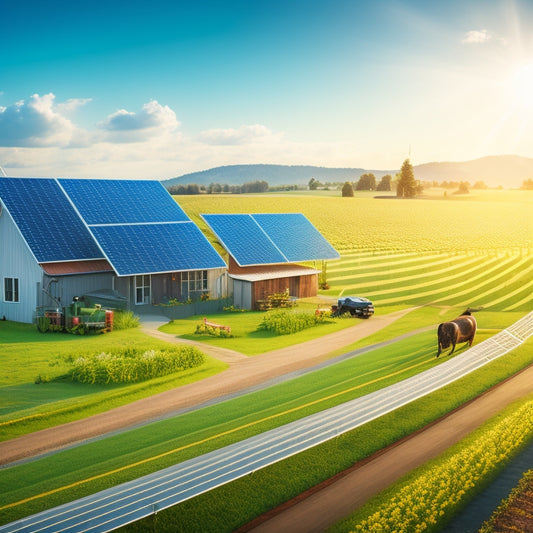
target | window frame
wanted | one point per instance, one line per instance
(13, 291)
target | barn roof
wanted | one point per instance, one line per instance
(260, 273)
(270, 238)
(133, 225)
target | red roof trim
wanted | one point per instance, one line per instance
(76, 267)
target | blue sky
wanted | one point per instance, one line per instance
(158, 89)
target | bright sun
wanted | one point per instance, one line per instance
(523, 86)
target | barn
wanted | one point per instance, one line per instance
(265, 252)
(126, 243)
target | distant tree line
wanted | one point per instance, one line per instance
(218, 188)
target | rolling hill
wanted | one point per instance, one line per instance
(508, 171)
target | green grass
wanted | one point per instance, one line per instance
(177, 439)
(411, 252)
(228, 507)
(247, 339)
(25, 353)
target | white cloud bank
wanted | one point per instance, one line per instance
(38, 123)
(39, 137)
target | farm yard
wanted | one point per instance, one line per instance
(437, 255)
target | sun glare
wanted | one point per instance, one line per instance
(523, 87)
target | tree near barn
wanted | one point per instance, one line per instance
(385, 183)
(407, 186)
(367, 182)
(347, 189)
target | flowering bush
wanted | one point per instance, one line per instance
(436, 493)
(130, 366)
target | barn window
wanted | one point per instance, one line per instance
(11, 289)
(194, 283)
(142, 289)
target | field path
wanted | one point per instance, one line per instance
(243, 373)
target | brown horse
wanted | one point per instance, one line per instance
(462, 329)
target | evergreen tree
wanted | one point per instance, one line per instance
(407, 185)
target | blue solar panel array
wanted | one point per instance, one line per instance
(102, 201)
(296, 237)
(47, 221)
(148, 248)
(244, 239)
(135, 224)
(259, 239)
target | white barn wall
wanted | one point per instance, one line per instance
(16, 261)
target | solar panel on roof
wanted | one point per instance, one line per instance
(296, 237)
(244, 239)
(101, 201)
(47, 220)
(149, 248)
(258, 239)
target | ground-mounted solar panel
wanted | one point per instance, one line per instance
(296, 237)
(260, 239)
(101, 201)
(47, 220)
(244, 239)
(151, 248)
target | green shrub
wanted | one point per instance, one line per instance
(287, 322)
(125, 320)
(131, 366)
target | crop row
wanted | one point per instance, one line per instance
(432, 496)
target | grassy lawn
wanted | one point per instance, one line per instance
(101, 464)
(247, 339)
(25, 354)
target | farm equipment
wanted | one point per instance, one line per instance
(75, 318)
(355, 305)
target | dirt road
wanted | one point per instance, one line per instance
(243, 373)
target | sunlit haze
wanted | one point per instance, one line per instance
(155, 90)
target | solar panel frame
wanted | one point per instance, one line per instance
(103, 201)
(47, 221)
(244, 239)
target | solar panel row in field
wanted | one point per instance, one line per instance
(47, 221)
(259, 239)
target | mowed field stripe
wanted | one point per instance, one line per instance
(507, 283)
(493, 282)
(426, 273)
(448, 288)
(210, 438)
(526, 299)
(346, 265)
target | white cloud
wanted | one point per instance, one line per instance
(239, 136)
(476, 37)
(35, 122)
(482, 37)
(126, 126)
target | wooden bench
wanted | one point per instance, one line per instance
(218, 326)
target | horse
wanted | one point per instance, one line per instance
(462, 329)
